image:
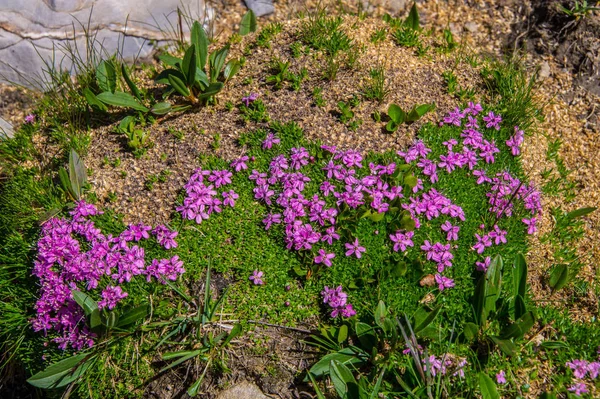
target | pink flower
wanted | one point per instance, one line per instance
(256, 277)
(443, 282)
(483, 266)
(530, 223)
(111, 296)
(354, 249)
(249, 99)
(579, 388)
(29, 119)
(324, 257)
(501, 377)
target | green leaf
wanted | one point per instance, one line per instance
(217, 60)
(519, 307)
(93, 101)
(518, 329)
(132, 86)
(343, 381)
(178, 85)
(398, 269)
(188, 66)
(391, 126)
(65, 183)
(470, 331)
(182, 358)
(493, 284)
(235, 331)
(418, 111)
(377, 216)
(106, 76)
(342, 334)
(366, 336)
(428, 320)
(85, 302)
(315, 386)
(133, 315)
(109, 319)
(200, 40)
(163, 77)
(505, 345)
(554, 345)
(349, 355)
(61, 373)
(519, 276)
(77, 173)
(559, 277)
(121, 99)
(169, 60)
(412, 21)
(201, 79)
(488, 387)
(248, 23)
(411, 181)
(211, 90)
(396, 114)
(161, 108)
(380, 314)
(580, 212)
(548, 395)
(231, 68)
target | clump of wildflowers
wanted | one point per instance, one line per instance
(337, 301)
(256, 277)
(75, 255)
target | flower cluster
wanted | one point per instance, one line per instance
(444, 364)
(75, 255)
(337, 301)
(582, 369)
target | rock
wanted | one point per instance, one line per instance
(454, 29)
(260, 7)
(544, 72)
(243, 390)
(33, 32)
(396, 6)
(471, 26)
(6, 129)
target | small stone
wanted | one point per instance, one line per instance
(427, 281)
(471, 27)
(395, 6)
(260, 7)
(6, 129)
(243, 390)
(544, 72)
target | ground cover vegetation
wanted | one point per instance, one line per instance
(410, 267)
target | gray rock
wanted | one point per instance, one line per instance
(544, 72)
(260, 7)
(471, 26)
(36, 32)
(396, 6)
(6, 129)
(244, 390)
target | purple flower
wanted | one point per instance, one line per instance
(354, 249)
(483, 266)
(111, 296)
(530, 223)
(473, 109)
(327, 188)
(501, 377)
(594, 369)
(452, 231)
(220, 177)
(229, 198)
(337, 300)
(579, 388)
(402, 240)
(272, 218)
(240, 163)
(330, 235)
(492, 120)
(443, 282)
(29, 119)
(324, 257)
(249, 99)
(165, 237)
(455, 117)
(269, 141)
(256, 277)
(579, 367)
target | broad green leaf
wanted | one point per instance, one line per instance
(188, 66)
(106, 76)
(315, 386)
(211, 90)
(418, 111)
(488, 387)
(396, 114)
(519, 307)
(470, 331)
(505, 345)
(109, 319)
(398, 269)
(161, 108)
(85, 302)
(411, 181)
(163, 77)
(343, 381)
(342, 333)
(248, 23)
(217, 61)
(132, 86)
(559, 277)
(93, 101)
(169, 60)
(133, 315)
(231, 68)
(479, 302)
(580, 212)
(57, 374)
(201, 79)
(380, 314)
(350, 355)
(121, 99)
(366, 336)
(519, 328)
(428, 320)
(493, 282)
(377, 216)
(65, 183)
(554, 345)
(519, 276)
(391, 126)
(77, 173)
(235, 332)
(412, 21)
(179, 85)
(200, 40)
